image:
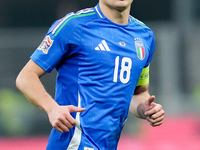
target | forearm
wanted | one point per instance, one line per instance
(32, 88)
(136, 104)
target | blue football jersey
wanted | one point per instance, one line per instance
(99, 63)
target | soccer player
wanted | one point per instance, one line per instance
(102, 57)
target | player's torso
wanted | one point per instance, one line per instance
(108, 61)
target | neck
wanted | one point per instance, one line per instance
(119, 16)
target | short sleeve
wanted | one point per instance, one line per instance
(50, 52)
(151, 48)
(55, 44)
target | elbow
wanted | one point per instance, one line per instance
(19, 81)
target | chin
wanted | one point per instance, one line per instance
(122, 5)
(121, 8)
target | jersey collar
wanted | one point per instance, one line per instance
(98, 10)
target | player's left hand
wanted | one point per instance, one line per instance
(153, 112)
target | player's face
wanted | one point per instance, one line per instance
(119, 5)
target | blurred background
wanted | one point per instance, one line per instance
(174, 73)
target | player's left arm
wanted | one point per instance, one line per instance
(143, 105)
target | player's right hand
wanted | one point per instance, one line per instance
(61, 119)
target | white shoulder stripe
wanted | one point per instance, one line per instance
(76, 139)
(62, 22)
(84, 11)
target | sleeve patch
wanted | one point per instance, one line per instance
(46, 44)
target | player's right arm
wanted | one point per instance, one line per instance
(28, 82)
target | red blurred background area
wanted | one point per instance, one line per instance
(181, 133)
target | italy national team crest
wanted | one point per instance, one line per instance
(46, 44)
(139, 45)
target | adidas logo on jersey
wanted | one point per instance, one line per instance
(103, 46)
